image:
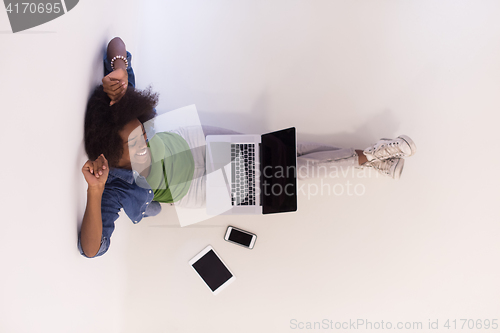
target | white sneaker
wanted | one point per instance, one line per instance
(392, 167)
(402, 146)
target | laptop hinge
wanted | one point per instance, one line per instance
(261, 175)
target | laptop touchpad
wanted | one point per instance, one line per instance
(220, 152)
(219, 162)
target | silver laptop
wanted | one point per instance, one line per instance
(252, 174)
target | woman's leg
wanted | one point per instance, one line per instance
(315, 160)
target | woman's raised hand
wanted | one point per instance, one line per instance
(96, 172)
(115, 84)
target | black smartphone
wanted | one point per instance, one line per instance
(240, 237)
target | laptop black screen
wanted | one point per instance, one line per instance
(278, 172)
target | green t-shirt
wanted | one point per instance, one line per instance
(172, 167)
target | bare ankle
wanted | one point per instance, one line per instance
(361, 157)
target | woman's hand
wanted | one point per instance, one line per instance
(96, 172)
(115, 84)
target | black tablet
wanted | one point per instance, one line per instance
(212, 270)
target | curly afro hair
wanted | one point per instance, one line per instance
(103, 122)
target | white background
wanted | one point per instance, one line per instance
(344, 73)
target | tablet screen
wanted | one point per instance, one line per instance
(212, 270)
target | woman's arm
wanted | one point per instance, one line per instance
(115, 83)
(116, 46)
(91, 232)
(95, 173)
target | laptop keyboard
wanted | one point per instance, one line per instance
(242, 174)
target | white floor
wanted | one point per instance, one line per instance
(422, 249)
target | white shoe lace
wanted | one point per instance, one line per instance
(384, 166)
(386, 150)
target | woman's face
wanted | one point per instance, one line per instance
(136, 154)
